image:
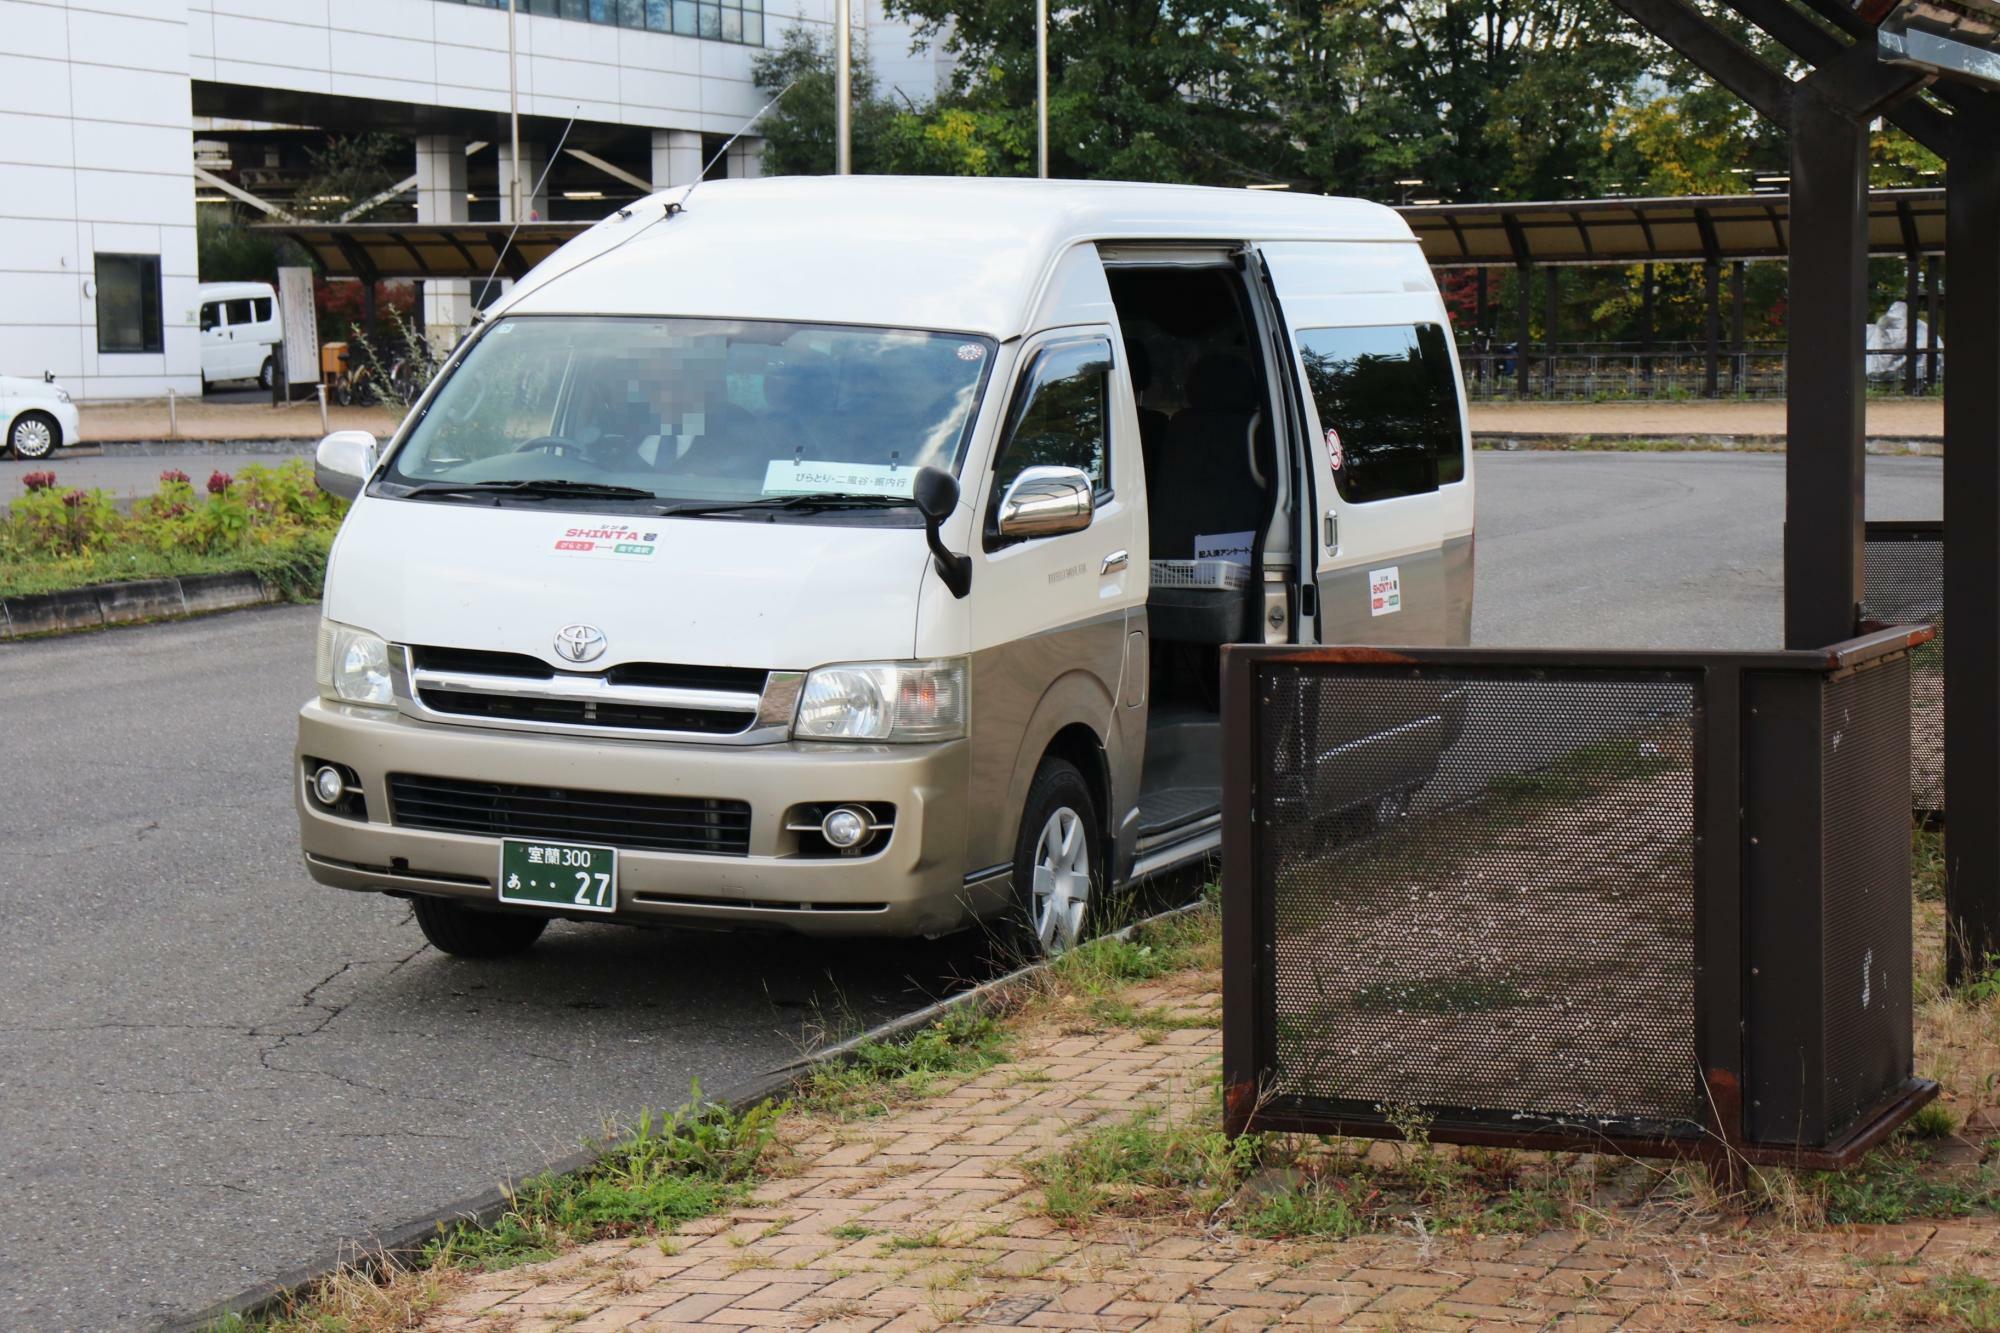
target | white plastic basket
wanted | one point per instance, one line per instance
(1200, 574)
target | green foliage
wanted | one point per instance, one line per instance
(228, 251)
(669, 1169)
(1148, 1166)
(878, 1075)
(274, 521)
(349, 171)
(1326, 1209)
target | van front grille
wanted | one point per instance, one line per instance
(583, 712)
(624, 820)
(659, 675)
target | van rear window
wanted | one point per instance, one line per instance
(1388, 408)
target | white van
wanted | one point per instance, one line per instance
(852, 556)
(240, 331)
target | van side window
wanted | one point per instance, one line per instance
(1388, 404)
(211, 315)
(1060, 416)
(238, 311)
(262, 305)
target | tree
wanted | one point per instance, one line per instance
(349, 171)
(799, 131)
(1162, 90)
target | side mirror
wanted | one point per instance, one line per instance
(344, 461)
(936, 494)
(1045, 501)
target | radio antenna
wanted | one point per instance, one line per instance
(726, 143)
(540, 181)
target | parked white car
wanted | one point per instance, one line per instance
(240, 331)
(37, 415)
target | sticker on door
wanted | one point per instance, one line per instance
(1385, 591)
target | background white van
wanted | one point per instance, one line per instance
(240, 331)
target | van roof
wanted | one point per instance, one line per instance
(953, 253)
(214, 291)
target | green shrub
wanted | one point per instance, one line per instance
(272, 521)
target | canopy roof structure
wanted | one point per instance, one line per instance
(379, 250)
(1691, 229)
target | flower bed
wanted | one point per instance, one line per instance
(271, 521)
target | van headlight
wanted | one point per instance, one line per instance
(884, 701)
(353, 666)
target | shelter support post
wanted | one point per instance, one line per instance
(1711, 380)
(1523, 329)
(1646, 328)
(1739, 369)
(1826, 383)
(1972, 544)
(1931, 324)
(1912, 279)
(1552, 279)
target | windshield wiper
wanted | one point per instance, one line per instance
(550, 489)
(812, 501)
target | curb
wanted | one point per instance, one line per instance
(488, 1206)
(300, 444)
(1502, 441)
(131, 603)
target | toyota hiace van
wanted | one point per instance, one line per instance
(854, 556)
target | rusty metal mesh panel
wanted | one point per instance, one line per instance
(1865, 832)
(1482, 890)
(1905, 586)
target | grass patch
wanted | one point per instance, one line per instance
(879, 1075)
(1151, 1166)
(1583, 772)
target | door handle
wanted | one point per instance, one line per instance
(1114, 562)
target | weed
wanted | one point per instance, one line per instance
(1317, 1208)
(879, 1074)
(1150, 1165)
(1933, 1121)
(670, 1168)
(851, 1231)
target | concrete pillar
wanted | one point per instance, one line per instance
(746, 157)
(676, 158)
(441, 198)
(534, 161)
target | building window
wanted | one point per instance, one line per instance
(128, 303)
(737, 21)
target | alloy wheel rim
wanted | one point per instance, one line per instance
(1062, 881)
(32, 439)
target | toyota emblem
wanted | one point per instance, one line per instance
(580, 643)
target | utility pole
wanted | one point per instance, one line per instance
(843, 92)
(513, 120)
(1042, 89)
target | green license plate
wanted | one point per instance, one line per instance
(570, 875)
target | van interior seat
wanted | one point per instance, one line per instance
(1205, 487)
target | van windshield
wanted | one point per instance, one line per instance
(610, 411)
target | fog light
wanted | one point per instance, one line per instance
(845, 826)
(329, 786)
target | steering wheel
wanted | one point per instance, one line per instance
(558, 445)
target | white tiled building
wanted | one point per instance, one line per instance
(99, 101)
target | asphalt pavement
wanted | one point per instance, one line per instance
(216, 1070)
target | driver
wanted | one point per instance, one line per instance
(689, 399)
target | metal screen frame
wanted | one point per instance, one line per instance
(1919, 601)
(1724, 941)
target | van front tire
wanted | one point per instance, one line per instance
(1057, 864)
(264, 374)
(467, 932)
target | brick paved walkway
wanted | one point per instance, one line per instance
(922, 1218)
